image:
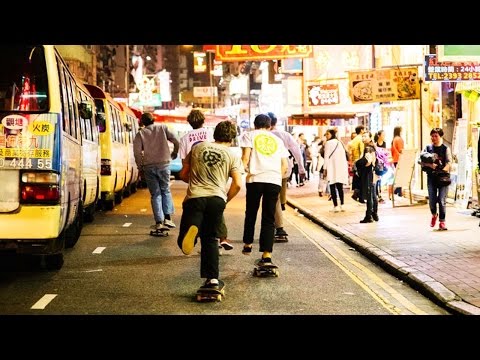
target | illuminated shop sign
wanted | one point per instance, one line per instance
(382, 85)
(262, 52)
(450, 71)
(325, 94)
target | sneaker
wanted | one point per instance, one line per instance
(280, 232)
(265, 260)
(442, 226)
(375, 217)
(381, 201)
(226, 245)
(169, 223)
(247, 249)
(159, 227)
(211, 284)
(188, 242)
(335, 209)
(341, 208)
(434, 220)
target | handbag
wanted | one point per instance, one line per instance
(441, 178)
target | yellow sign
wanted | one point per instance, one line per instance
(262, 52)
(383, 85)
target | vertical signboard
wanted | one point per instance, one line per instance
(464, 164)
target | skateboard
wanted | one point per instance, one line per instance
(207, 294)
(263, 270)
(281, 238)
(160, 233)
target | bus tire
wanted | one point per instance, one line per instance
(72, 234)
(54, 261)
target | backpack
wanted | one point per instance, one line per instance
(381, 162)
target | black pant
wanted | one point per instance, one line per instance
(268, 193)
(372, 201)
(333, 193)
(205, 213)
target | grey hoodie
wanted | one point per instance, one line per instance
(150, 146)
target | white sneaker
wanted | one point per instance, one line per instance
(341, 208)
(335, 209)
(169, 223)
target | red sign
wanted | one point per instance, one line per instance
(325, 94)
(262, 52)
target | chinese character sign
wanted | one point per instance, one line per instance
(325, 94)
(382, 85)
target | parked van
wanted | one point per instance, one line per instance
(41, 207)
(130, 123)
(90, 155)
(113, 144)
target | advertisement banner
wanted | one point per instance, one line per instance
(383, 85)
(261, 52)
(323, 94)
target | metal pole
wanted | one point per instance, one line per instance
(421, 128)
(211, 82)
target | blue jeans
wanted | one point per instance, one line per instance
(158, 183)
(437, 195)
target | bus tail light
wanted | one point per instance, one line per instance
(40, 188)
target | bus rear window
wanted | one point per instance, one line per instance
(23, 79)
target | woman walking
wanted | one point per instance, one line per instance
(437, 169)
(335, 168)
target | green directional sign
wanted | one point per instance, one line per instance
(458, 53)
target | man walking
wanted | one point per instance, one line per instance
(152, 155)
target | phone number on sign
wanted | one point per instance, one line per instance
(22, 163)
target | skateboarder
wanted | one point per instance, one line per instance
(207, 169)
(292, 145)
(264, 158)
(152, 155)
(199, 133)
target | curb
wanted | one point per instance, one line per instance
(429, 287)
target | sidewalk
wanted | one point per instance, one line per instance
(443, 265)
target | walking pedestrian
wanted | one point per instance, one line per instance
(397, 148)
(335, 168)
(264, 158)
(207, 169)
(153, 157)
(440, 165)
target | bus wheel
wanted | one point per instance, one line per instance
(89, 213)
(73, 232)
(108, 204)
(54, 261)
(119, 197)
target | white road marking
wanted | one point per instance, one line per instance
(99, 250)
(94, 270)
(43, 302)
(126, 224)
(143, 210)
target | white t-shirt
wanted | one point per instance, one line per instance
(191, 138)
(265, 163)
